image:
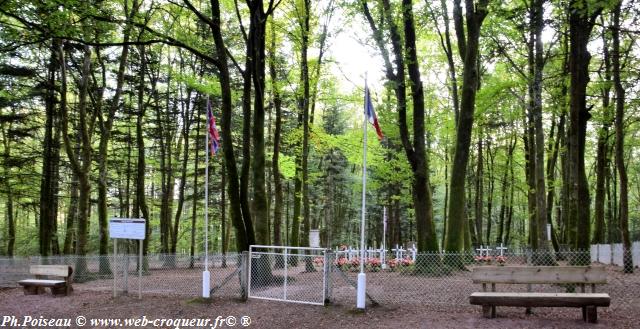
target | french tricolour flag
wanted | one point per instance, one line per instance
(370, 113)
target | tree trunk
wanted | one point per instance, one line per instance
(619, 126)
(244, 228)
(475, 14)
(81, 169)
(186, 116)
(491, 189)
(72, 216)
(602, 158)
(506, 186)
(105, 135)
(51, 158)
(417, 154)
(257, 31)
(538, 151)
(581, 23)
(246, 135)
(9, 215)
(275, 159)
(552, 159)
(479, 192)
(141, 207)
(510, 207)
(446, 195)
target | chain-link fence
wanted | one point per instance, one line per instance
(162, 274)
(441, 278)
(316, 275)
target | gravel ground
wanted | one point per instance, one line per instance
(267, 314)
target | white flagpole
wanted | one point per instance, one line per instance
(362, 278)
(205, 274)
(383, 257)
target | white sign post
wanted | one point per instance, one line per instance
(128, 228)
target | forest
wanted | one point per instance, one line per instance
(499, 118)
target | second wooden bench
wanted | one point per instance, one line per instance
(56, 277)
(561, 275)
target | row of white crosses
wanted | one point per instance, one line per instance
(399, 252)
(486, 251)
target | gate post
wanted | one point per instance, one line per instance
(328, 269)
(244, 275)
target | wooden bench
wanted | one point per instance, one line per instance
(58, 286)
(562, 275)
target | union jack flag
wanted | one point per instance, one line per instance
(214, 137)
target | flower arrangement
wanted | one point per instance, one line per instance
(373, 264)
(400, 264)
(501, 260)
(318, 261)
(342, 263)
(483, 259)
(407, 261)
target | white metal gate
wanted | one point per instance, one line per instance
(302, 278)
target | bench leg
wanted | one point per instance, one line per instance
(488, 311)
(33, 290)
(591, 314)
(56, 291)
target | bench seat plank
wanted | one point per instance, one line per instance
(540, 274)
(531, 299)
(42, 283)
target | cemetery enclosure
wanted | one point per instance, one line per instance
(398, 286)
(613, 253)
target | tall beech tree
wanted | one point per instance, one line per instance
(50, 158)
(80, 168)
(245, 235)
(468, 41)
(405, 53)
(582, 17)
(619, 147)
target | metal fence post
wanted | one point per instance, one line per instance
(115, 266)
(286, 273)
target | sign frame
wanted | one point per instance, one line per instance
(127, 228)
(133, 229)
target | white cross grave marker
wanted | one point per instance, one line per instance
(399, 251)
(502, 249)
(413, 251)
(482, 250)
